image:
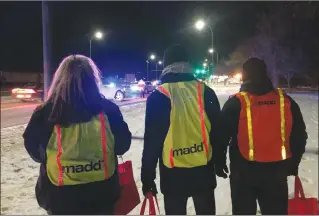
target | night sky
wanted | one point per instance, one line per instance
(134, 30)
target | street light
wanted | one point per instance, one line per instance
(211, 50)
(206, 60)
(200, 24)
(97, 35)
(152, 57)
(158, 63)
(205, 64)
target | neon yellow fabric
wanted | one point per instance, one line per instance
(184, 143)
(249, 125)
(82, 153)
(282, 123)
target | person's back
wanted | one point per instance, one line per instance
(181, 127)
(76, 136)
(267, 137)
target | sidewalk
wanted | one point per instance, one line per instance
(8, 99)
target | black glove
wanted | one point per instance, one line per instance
(221, 171)
(149, 187)
(293, 168)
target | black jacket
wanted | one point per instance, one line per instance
(230, 120)
(178, 181)
(89, 196)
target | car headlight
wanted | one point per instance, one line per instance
(135, 88)
(111, 85)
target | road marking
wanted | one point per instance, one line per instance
(19, 107)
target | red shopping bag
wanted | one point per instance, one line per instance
(299, 205)
(149, 198)
(129, 197)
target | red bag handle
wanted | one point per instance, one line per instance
(152, 211)
(299, 193)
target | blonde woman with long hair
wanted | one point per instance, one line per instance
(75, 136)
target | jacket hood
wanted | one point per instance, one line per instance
(177, 77)
(178, 67)
(257, 88)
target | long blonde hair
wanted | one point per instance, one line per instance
(75, 84)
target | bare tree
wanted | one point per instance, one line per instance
(291, 62)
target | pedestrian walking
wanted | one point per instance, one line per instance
(181, 132)
(75, 136)
(267, 135)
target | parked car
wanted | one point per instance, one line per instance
(112, 91)
(149, 87)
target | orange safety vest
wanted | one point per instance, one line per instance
(264, 126)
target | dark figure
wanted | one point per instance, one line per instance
(181, 129)
(267, 135)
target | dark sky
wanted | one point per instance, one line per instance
(135, 29)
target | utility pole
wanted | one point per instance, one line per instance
(211, 30)
(147, 70)
(47, 73)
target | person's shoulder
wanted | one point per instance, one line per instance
(157, 100)
(108, 106)
(206, 87)
(157, 95)
(43, 109)
(233, 102)
(234, 96)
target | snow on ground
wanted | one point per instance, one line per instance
(19, 173)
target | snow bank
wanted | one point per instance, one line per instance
(19, 172)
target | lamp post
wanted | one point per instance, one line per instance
(152, 57)
(158, 63)
(147, 68)
(199, 25)
(97, 35)
(47, 72)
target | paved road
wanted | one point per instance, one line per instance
(19, 113)
(15, 113)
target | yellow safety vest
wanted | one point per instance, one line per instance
(81, 153)
(187, 143)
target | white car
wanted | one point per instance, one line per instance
(112, 92)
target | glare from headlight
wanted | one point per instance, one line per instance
(154, 83)
(111, 85)
(134, 88)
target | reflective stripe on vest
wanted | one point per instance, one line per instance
(178, 151)
(201, 115)
(282, 123)
(58, 157)
(250, 125)
(76, 162)
(104, 143)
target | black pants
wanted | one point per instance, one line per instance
(204, 204)
(271, 192)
